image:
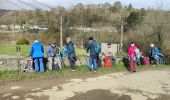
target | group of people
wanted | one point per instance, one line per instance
(37, 54)
(93, 50)
(135, 57)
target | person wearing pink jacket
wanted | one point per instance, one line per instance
(132, 57)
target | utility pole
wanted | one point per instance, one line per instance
(121, 38)
(13, 31)
(61, 32)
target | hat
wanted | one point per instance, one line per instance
(132, 42)
(35, 41)
(108, 43)
(90, 38)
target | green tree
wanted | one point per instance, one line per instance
(133, 19)
(160, 35)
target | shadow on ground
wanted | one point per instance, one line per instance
(161, 97)
(99, 94)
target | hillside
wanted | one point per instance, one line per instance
(103, 22)
(3, 12)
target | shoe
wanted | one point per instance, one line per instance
(95, 71)
(73, 70)
(90, 70)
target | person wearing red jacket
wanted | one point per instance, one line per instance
(132, 57)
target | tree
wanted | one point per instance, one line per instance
(39, 16)
(117, 6)
(133, 19)
(158, 30)
(130, 7)
(143, 12)
(160, 27)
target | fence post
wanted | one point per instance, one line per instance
(18, 49)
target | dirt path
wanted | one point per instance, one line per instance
(147, 85)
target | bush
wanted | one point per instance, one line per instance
(22, 41)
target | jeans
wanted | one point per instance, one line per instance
(37, 62)
(92, 63)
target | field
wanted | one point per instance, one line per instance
(11, 50)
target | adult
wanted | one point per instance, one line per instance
(71, 53)
(51, 54)
(93, 55)
(154, 54)
(109, 53)
(132, 57)
(138, 55)
(37, 54)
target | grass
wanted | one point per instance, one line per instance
(11, 50)
(83, 70)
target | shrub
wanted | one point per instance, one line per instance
(22, 41)
(121, 54)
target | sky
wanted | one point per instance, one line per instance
(45, 4)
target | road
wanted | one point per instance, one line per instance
(146, 85)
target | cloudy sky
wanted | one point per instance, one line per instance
(4, 4)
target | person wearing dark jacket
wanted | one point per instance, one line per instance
(37, 53)
(51, 53)
(154, 54)
(93, 56)
(71, 53)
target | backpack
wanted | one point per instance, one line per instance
(56, 66)
(137, 53)
(27, 65)
(97, 47)
(63, 52)
(146, 61)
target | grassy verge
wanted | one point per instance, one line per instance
(82, 70)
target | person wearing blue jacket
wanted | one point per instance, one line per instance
(93, 55)
(71, 53)
(51, 53)
(154, 54)
(37, 54)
